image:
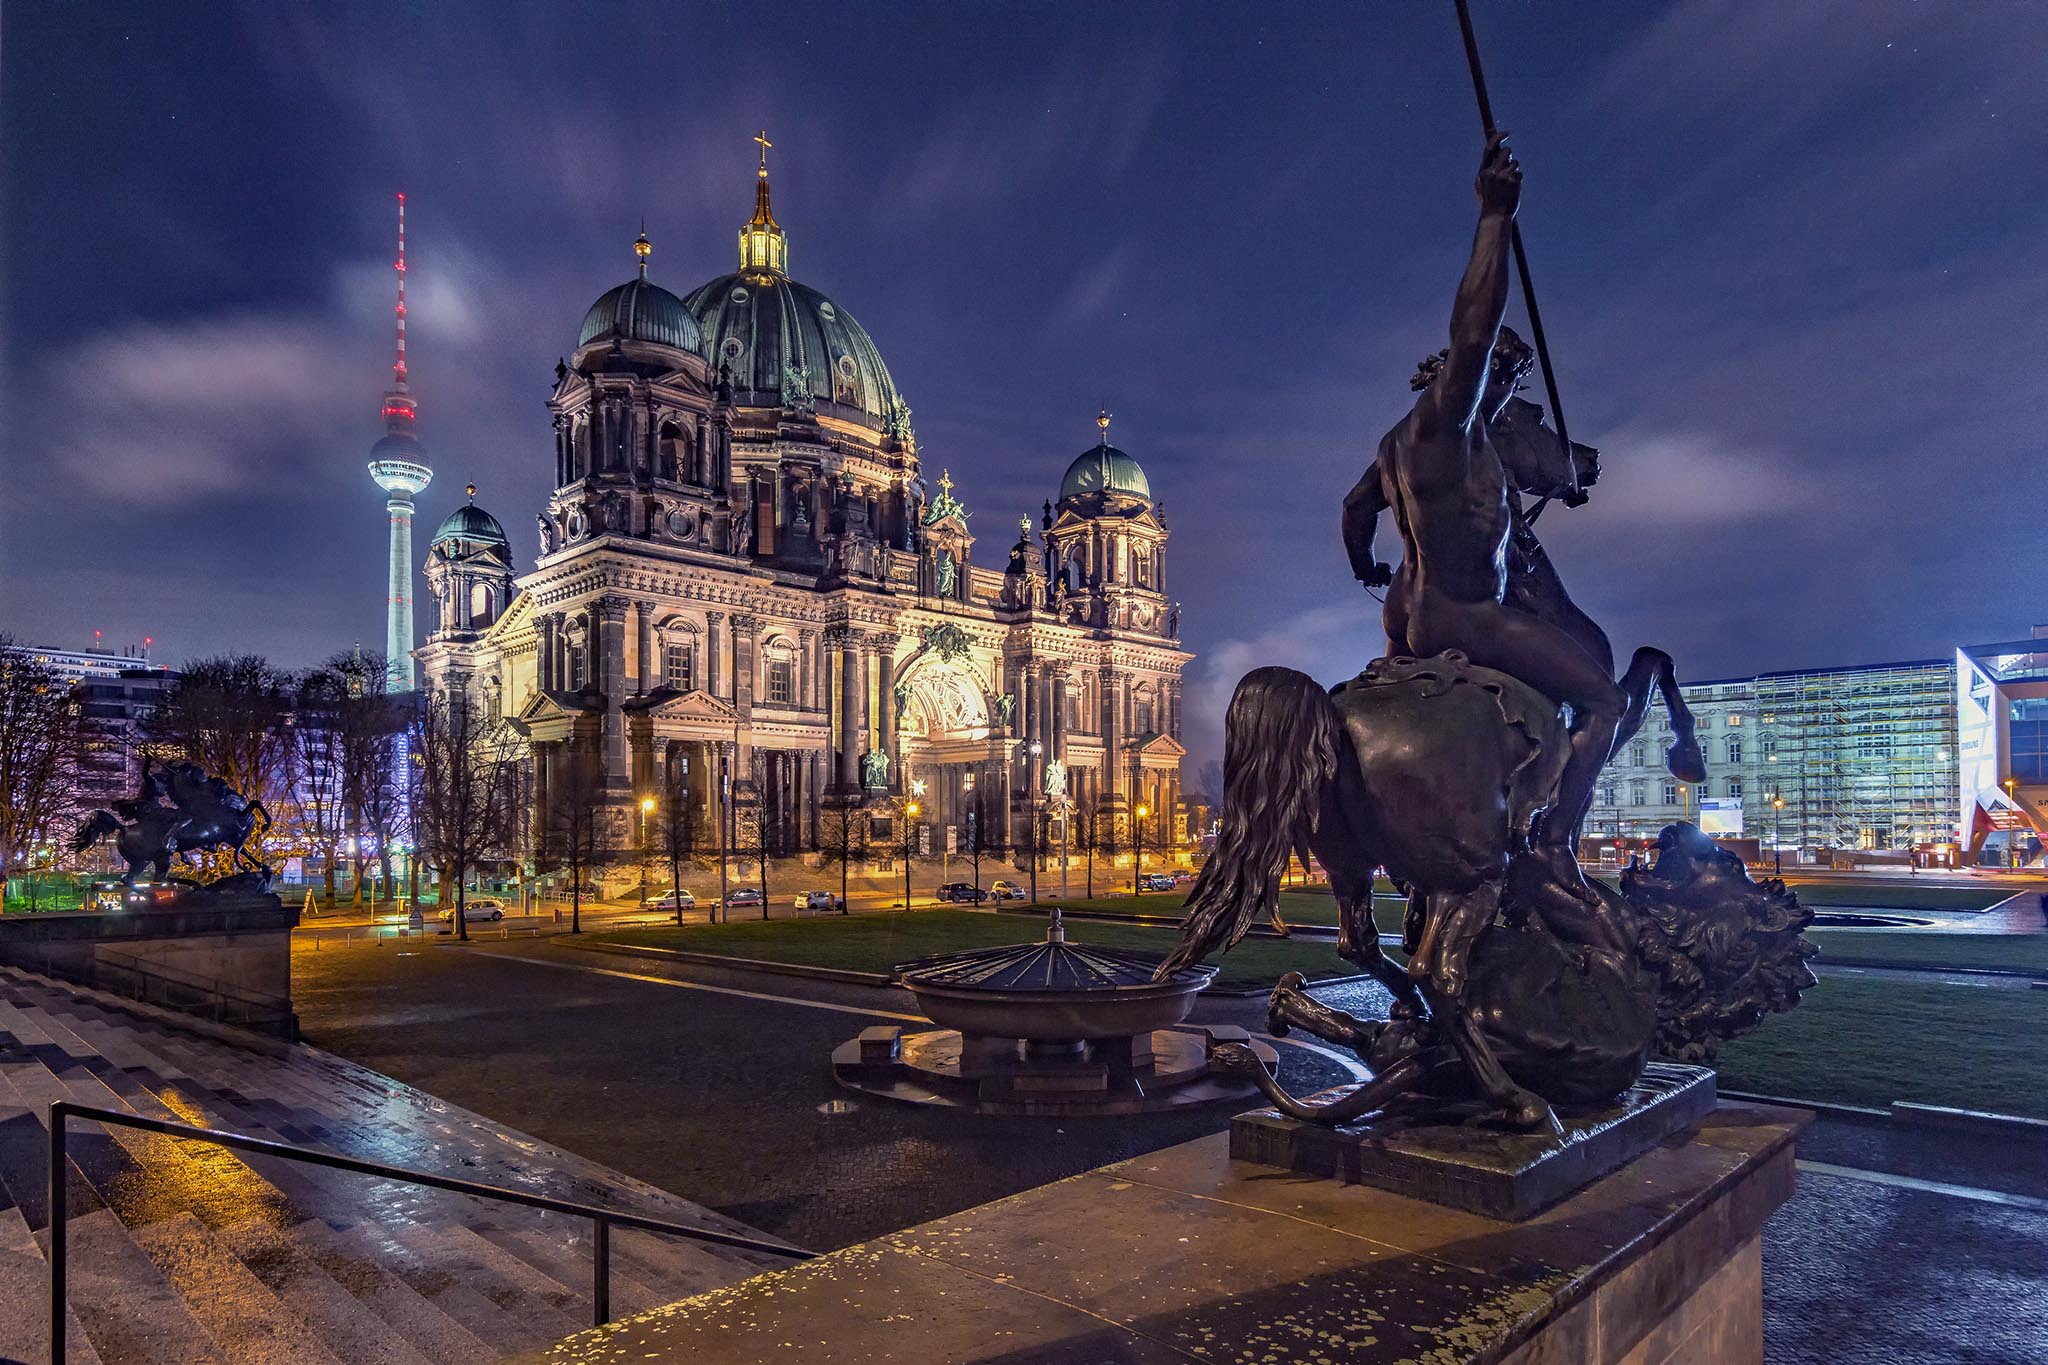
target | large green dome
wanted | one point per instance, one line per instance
(1105, 469)
(641, 311)
(779, 340)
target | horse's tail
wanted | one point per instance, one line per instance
(94, 828)
(1282, 736)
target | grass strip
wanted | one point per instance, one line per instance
(1870, 1041)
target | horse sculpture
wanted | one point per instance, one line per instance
(1435, 769)
(177, 811)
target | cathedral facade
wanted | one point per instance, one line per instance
(750, 599)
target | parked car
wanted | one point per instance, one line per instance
(476, 907)
(1181, 876)
(1157, 881)
(962, 891)
(823, 901)
(743, 896)
(671, 901)
(1005, 891)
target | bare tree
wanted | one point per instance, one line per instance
(317, 755)
(843, 839)
(575, 824)
(464, 789)
(40, 740)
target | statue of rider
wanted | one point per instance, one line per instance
(1439, 473)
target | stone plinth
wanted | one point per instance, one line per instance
(1485, 1170)
(1187, 1254)
(227, 959)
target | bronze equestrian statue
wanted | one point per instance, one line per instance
(178, 810)
(1465, 764)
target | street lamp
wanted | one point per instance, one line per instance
(1777, 839)
(646, 810)
(1138, 849)
(2012, 836)
(910, 809)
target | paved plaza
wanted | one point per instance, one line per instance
(713, 1084)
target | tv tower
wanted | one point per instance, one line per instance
(399, 467)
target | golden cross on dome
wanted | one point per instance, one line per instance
(762, 138)
(946, 481)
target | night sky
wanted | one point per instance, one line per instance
(1790, 259)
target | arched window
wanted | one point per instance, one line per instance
(479, 605)
(674, 453)
(778, 677)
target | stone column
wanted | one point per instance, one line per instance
(611, 648)
(744, 629)
(645, 671)
(885, 705)
(814, 783)
(1058, 747)
(714, 647)
(1112, 737)
(543, 787)
(544, 653)
(807, 693)
(852, 719)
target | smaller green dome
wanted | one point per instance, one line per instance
(470, 522)
(641, 311)
(1105, 469)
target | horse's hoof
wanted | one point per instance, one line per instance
(1685, 761)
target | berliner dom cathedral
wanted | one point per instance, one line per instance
(750, 596)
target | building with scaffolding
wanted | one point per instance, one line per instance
(1863, 757)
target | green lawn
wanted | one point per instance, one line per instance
(878, 942)
(1862, 948)
(1868, 1041)
(1899, 896)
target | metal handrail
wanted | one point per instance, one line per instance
(602, 1219)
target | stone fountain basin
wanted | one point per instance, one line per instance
(1056, 1015)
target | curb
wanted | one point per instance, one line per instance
(2011, 1126)
(746, 964)
(1317, 932)
(1825, 960)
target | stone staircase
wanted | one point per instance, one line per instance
(181, 1251)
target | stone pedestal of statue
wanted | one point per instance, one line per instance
(1441, 1157)
(1188, 1254)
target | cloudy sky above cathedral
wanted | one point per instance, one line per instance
(1790, 261)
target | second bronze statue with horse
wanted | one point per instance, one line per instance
(177, 811)
(1464, 764)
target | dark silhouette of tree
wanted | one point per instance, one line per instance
(40, 742)
(676, 831)
(464, 790)
(843, 840)
(576, 825)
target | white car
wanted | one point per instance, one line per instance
(818, 900)
(671, 901)
(1005, 891)
(477, 907)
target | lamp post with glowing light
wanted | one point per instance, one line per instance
(910, 810)
(1777, 838)
(1140, 811)
(2012, 836)
(646, 811)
